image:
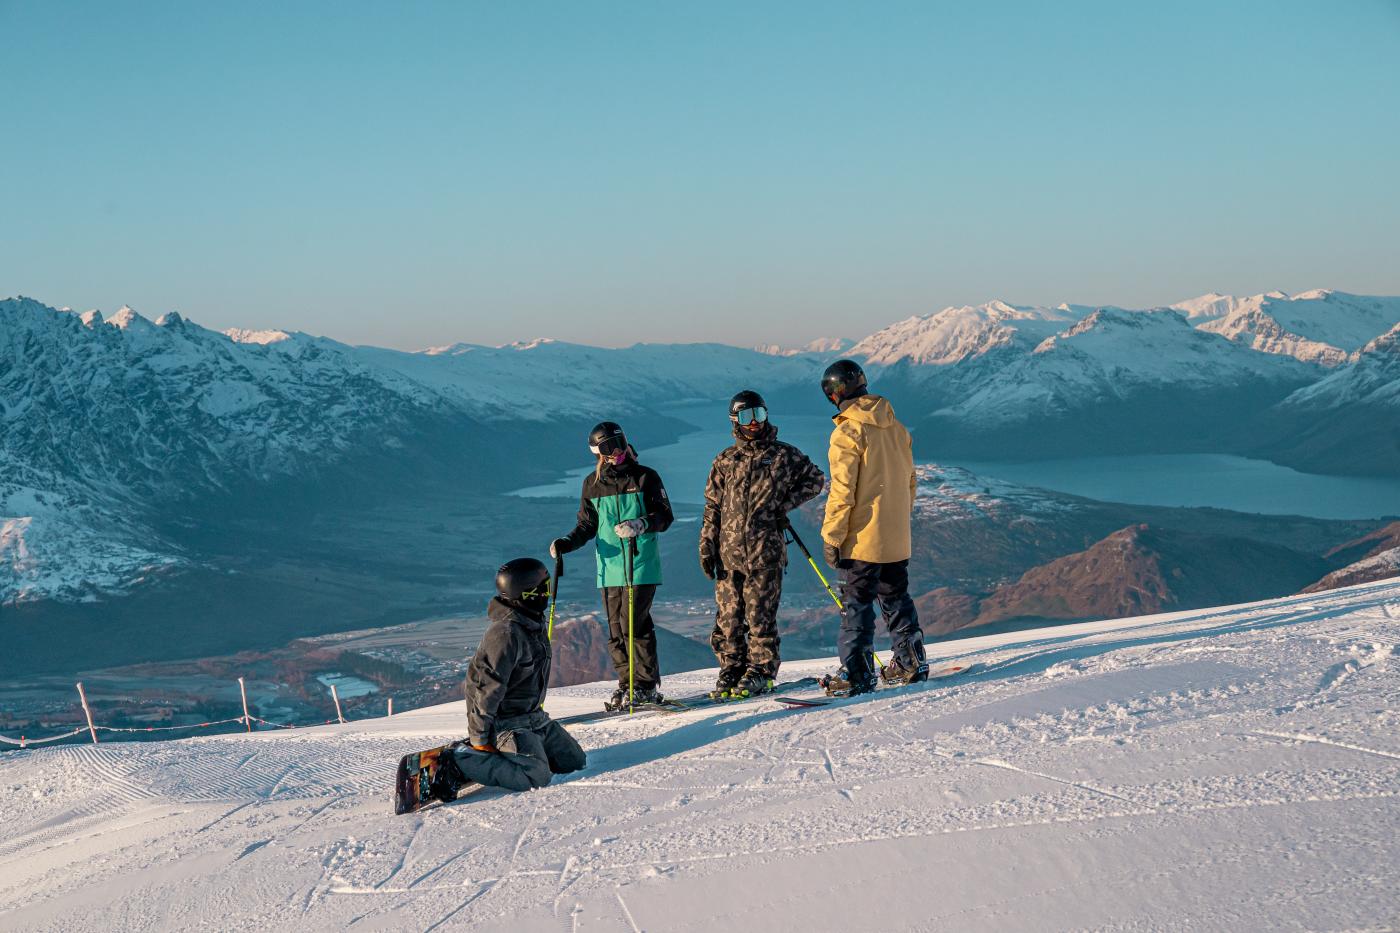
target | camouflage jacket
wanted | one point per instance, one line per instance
(752, 486)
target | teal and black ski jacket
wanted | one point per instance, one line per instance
(612, 495)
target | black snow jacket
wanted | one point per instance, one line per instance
(509, 673)
(612, 494)
(752, 486)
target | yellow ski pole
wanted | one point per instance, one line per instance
(630, 555)
(822, 577)
(554, 595)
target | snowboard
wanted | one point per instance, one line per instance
(941, 673)
(412, 785)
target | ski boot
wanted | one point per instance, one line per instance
(725, 684)
(616, 702)
(649, 696)
(447, 777)
(899, 672)
(751, 684)
(841, 684)
(643, 696)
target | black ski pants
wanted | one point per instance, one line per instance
(531, 749)
(862, 585)
(648, 672)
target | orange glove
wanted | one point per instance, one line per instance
(486, 748)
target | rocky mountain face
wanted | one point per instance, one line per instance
(1141, 570)
(125, 442)
(1213, 374)
(1375, 556)
(580, 652)
(1346, 422)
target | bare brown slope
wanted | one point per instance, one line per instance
(1375, 556)
(581, 656)
(1140, 570)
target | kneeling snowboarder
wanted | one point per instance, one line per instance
(512, 741)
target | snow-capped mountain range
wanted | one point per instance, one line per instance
(115, 430)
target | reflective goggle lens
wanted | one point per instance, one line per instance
(610, 446)
(747, 416)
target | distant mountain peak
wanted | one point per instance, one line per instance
(263, 337)
(534, 344)
(819, 345)
(127, 318)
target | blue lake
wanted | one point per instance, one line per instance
(1215, 480)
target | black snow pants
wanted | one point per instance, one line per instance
(862, 584)
(531, 750)
(648, 673)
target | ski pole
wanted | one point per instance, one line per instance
(630, 555)
(554, 594)
(797, 540)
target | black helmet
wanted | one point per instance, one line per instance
(523, 582)
(607, 438)
(748, 400)
(842, 380)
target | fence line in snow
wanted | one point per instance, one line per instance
(247, 720)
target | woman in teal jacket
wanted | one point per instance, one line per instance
(623, 500)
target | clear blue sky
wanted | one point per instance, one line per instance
(409, 174)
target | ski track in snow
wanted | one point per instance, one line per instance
(1233, 768)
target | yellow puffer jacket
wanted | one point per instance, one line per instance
(872, 483)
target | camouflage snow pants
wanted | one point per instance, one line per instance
(746, 621)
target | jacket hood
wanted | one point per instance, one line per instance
(500, 611)
(870, 409)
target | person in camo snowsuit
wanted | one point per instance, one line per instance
(751, 488)
(511, 741)
(623, 502)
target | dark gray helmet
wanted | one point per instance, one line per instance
(748, 399)
(842, 380)
(606, 438)
(523, 582)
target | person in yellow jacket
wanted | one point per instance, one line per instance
(867, 535)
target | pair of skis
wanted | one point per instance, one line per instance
(941, 673)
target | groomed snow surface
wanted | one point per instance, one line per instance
(1227, 769)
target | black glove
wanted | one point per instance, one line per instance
(559, 547)
(832, 553)
(709, 566)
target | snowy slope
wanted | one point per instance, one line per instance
(957, 334)
(1320, 326)
(1236, 768)
(1111, 354)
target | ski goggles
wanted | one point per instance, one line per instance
(539, 591)
(610, 446)
(747, 416)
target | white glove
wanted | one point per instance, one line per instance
(630, 528)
